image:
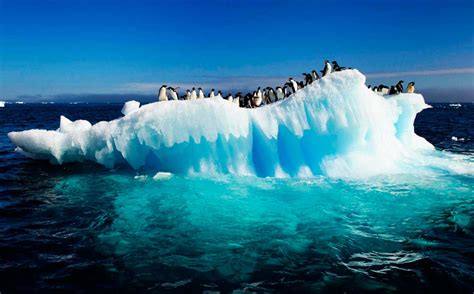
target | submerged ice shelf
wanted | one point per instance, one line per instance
(335, 127)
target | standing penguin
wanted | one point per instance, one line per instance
(219, 94)
(293, 84)
(173, 93)
(280, 94)
(200, 93)
(257, 99)
(193, 94)
(162, 96)
(229, 97)
(315, 75)
(336, 66)
(211, 94)
(411, 87)
(327, 68)
(399, 86)
(287, 89)
(308, 79)
(188, 94)
(237, 98)
(272, 95)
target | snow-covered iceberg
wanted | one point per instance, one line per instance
(335, 127)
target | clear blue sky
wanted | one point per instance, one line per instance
(102, 46)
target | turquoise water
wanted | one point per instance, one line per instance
(308, 234)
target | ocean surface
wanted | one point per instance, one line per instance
(82, 227)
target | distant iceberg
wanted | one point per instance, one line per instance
(335, 127)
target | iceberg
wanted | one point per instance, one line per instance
(335, 127)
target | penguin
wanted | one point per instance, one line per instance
(257, 99)
(308, 79)
(280, 94)
(399, 86)
(288, 89)
(229, 97)
(219, 94)
(162, 95)
(265, 96)
(259, 93)
(272, 95)
(382, 90)
(336, 66)
(300, 85)
(327, 68)
(393, 90)
(173, 93)
(315, 75)
(211, 94)
(193, 94)
(200, 93)
(237, 98)
(248, 100)
(411, 87)
(368, 87)
(293, 84)
(188, 95)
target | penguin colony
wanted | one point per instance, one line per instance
(269, 95)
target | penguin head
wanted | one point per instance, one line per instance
(400, 82)
(163, 86)
(411, 83)
(194, 88)
(199, 88)
(326, 61)
(212, 90)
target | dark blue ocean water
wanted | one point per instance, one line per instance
(84, 228)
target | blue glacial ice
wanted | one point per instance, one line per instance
(335, 127)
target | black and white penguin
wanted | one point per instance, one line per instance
(237, 98)
(193, 94)
(219, 94)
(288, 89)
(300, 85)
(211, 94)
(248, 100)
(382, 90)
(308, 79)
(229, 97)
(336, 67)
(393, 90)
(272, 95)
(162, 95)
(173, 93)
(200, 93)
(188, 95)
(315, 75)
(293, 84)
(399, 86)
(327, 68)
(411, 87)
(257, 98)
(280, 94)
